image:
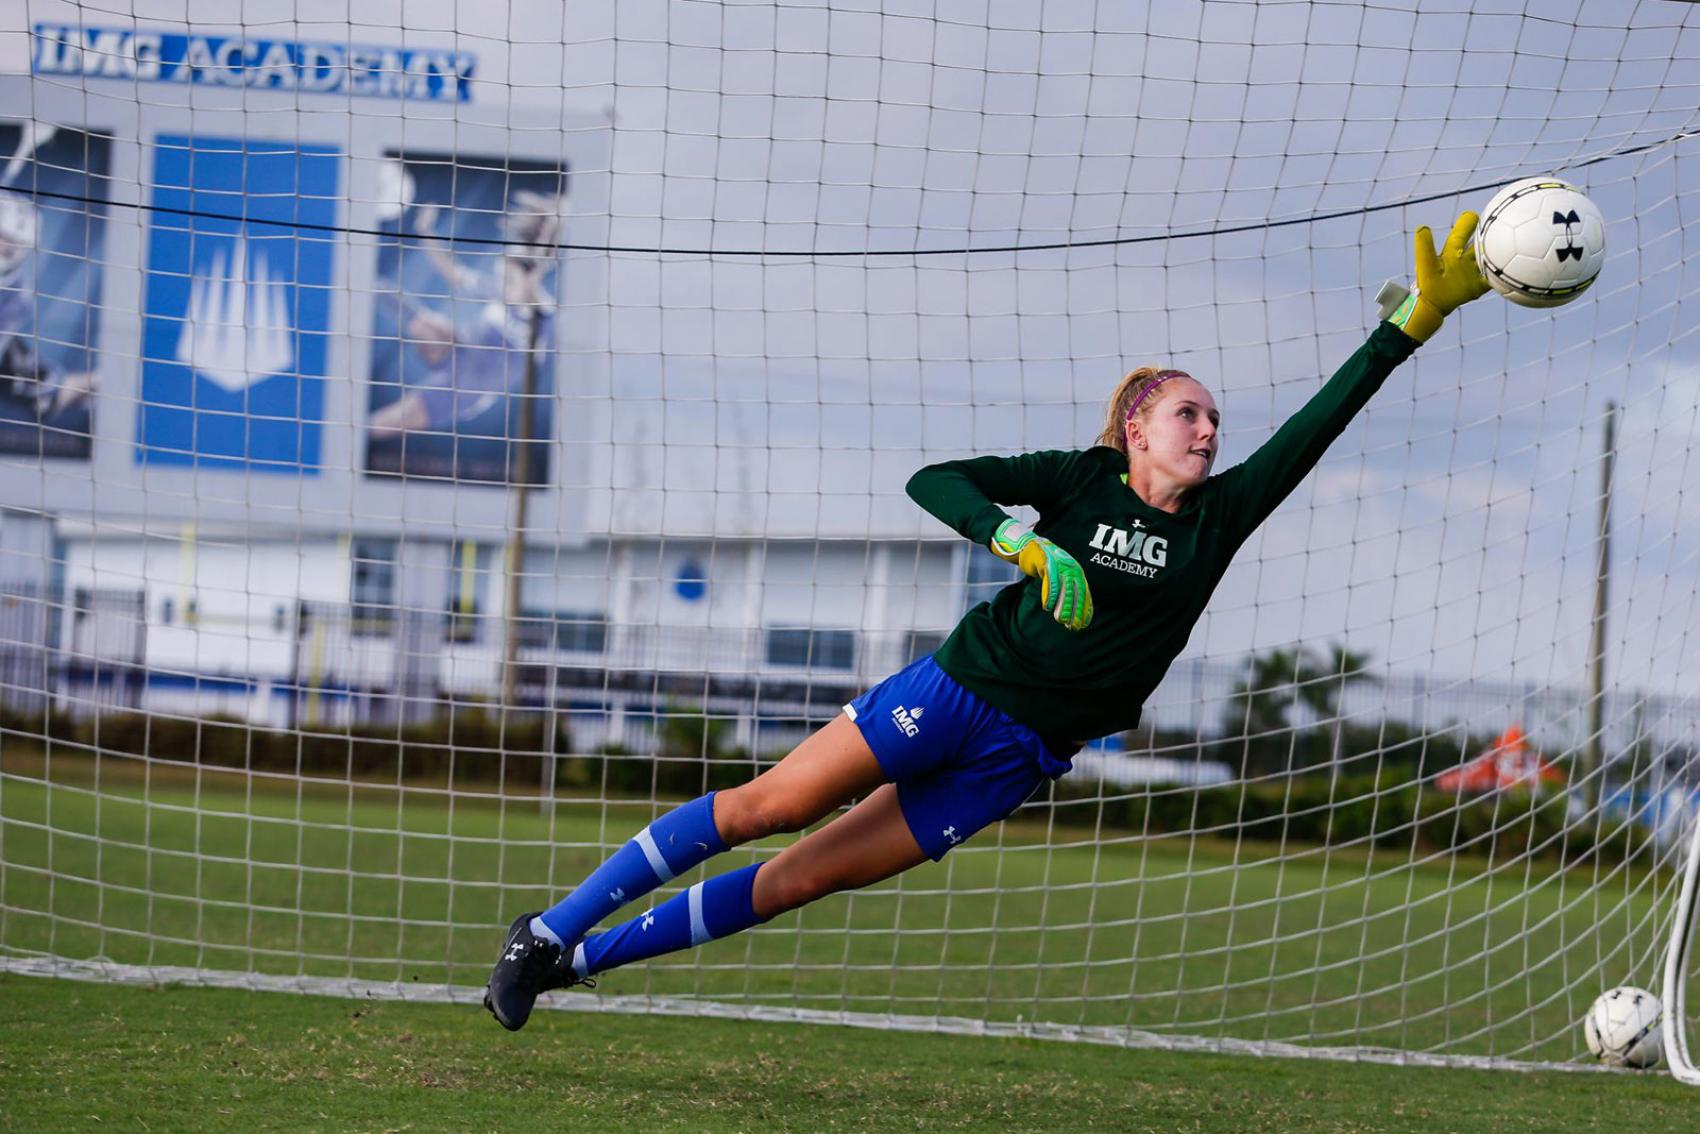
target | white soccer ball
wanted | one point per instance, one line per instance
(1541, 242)
(1623, 1028)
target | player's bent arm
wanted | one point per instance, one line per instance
(965, 495)
(1062, 584)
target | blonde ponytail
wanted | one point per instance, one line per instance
(1137, 383)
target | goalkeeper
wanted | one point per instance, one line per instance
(1132, 537)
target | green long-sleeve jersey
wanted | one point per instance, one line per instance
(1151, 572)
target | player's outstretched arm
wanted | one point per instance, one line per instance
(1445, 281)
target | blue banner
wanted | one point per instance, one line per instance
(52, 237)
(237, 306)
(133, 54)
(464, 319)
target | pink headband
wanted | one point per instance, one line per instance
(1162, 376)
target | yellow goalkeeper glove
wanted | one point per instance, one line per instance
(1444, 283)
(1062, 584)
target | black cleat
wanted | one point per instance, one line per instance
(529, 966)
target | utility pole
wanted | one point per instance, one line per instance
(1592, 754)
(521, 472)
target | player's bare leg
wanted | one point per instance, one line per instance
(833, 766)
(869, 843)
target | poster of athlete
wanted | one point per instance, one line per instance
(53, 182)
(463, 351)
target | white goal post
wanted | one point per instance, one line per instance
(1677, 960)
(430, 449)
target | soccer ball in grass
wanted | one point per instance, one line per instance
(1541, 242)
(1623, 1028)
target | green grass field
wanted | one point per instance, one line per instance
(104, 1057)
(177, 866)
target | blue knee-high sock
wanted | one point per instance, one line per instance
(719, 907)
(673, 844)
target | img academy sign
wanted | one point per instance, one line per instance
(258, 64)
(1136, 552)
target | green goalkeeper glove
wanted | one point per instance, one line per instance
(1062, 584)
(1444, 283)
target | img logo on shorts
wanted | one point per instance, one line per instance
(905, 719)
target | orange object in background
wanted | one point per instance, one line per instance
(1509, 763)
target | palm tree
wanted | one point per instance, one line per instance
(1324, 687)
(1259, 704)
(1281, 679)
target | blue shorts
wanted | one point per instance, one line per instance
(959, 764)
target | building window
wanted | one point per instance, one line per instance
(811, 648)
(167, 608)
(581, 632)
(987, 575)
(922, 643)
(462, 623)
(570, 631)
(372, 587)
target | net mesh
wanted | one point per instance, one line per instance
(432, 448)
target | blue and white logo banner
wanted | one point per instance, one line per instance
(438, 75)
(237, 306)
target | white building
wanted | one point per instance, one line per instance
(284, 630)
(715, 527)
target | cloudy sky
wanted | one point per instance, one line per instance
(1233, 180)
(1262, 167)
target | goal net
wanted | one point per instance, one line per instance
(430, 449)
